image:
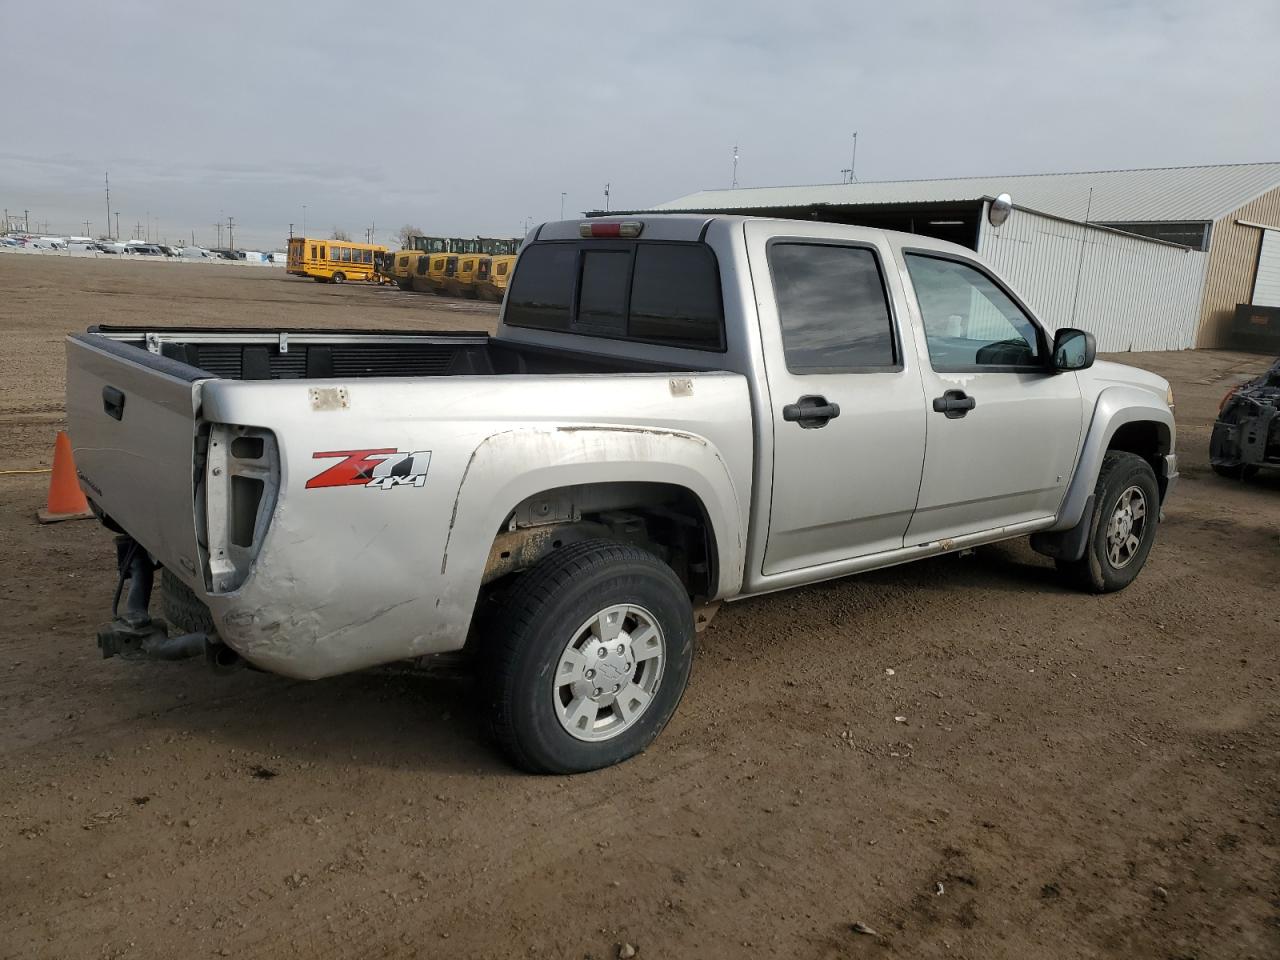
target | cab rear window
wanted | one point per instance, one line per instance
(666, 293)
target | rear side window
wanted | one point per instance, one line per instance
(667, 293)
(832, 308)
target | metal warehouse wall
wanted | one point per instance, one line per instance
(1233, 260)
(1135, 294)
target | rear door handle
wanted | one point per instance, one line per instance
(113, 403)
(954, 403)
(811, 412)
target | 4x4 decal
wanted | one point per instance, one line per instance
(382, 468)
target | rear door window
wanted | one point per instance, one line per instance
(832, 308)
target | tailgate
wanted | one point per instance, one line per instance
(131, 416)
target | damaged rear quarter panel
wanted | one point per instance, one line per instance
(350, 576)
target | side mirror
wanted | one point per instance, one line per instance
(1073, 349)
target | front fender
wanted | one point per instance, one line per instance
(1115, 407)
(513, 465)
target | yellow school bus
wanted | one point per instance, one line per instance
(332, 261)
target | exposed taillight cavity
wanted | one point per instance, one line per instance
(1226, 398)
(239, 486)
(610, 228)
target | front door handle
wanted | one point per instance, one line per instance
(811, 412)
(954, 404)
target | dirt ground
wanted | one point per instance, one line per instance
(1076, 776)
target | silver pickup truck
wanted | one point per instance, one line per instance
(675, 411)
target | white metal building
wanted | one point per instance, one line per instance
(1145, 259)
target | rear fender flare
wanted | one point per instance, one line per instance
(509, 467)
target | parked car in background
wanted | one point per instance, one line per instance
(145, 250)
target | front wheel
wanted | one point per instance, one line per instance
(339, 277)
(589, 657)
(1126, 513)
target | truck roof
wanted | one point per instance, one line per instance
(689, 227)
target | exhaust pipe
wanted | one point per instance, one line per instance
(221, 658)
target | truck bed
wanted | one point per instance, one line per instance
(248, 353)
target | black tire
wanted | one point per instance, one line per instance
(527, 640)
(1094, 571)
(183, 608)
(339, 277)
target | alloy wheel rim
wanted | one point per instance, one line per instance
(608, 672)
(1126, 527)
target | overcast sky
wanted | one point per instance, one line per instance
(466, 118)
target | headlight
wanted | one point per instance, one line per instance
(1168, 397)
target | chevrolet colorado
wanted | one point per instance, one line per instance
(675, 411)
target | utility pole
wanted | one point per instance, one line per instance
(106, 179)
(606, 198)
(291, 231)
(231, 232)
(148, 226)
(86, 228)
(734, 185)
(562, 196)
(26, 221)
(853, 160)
(137, 230)
(117, 225)
(193, 238)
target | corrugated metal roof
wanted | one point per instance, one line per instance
(1164, 193)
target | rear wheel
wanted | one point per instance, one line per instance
(1126, 513)
(339, 277)
(588, 658)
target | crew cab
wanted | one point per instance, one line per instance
(675, 411)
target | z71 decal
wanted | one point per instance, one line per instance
(380, 469)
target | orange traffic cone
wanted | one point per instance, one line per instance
(66, 499)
